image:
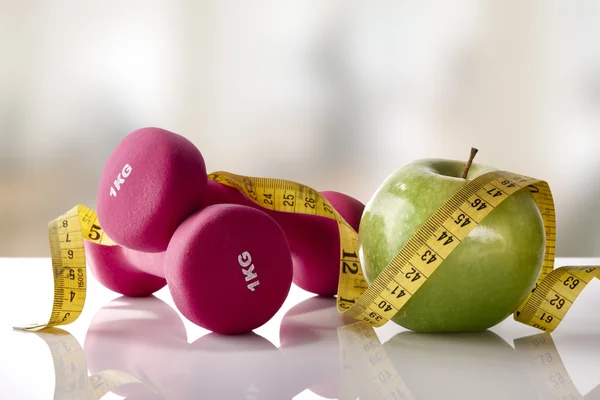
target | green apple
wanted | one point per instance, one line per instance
(484, 279)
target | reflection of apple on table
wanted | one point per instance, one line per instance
(468, 365)
(485, 278)
(477, 365)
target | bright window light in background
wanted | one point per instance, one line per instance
(336, 95)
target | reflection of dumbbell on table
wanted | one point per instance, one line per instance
(309, 345)
(146, 338)
(142, 337)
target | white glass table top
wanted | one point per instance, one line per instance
(143, 348)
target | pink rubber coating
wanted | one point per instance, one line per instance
(217, 193)
(210, 263)
(152, 181)
(121, 271)
(348, 207)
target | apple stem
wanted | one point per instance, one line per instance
(468, 164)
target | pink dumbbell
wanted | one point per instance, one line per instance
(228, 266)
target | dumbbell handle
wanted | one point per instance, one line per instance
(150, 263)
(126, 271)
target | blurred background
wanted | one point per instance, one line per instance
(334, 94)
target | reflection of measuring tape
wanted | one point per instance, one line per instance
(367, 371)
(545, 368)
(554, 292)
(70, 369)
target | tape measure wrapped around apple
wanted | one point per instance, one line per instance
(506, 227)
(413, 224)
(418, 218)
(485, 278)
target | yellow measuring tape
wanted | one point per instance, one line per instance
(67, 233)
(544, 308)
